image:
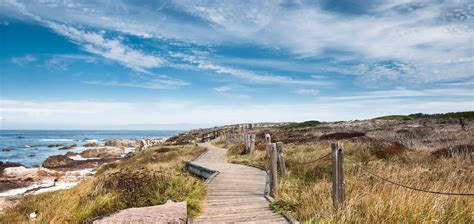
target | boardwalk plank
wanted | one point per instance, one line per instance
(236, 195)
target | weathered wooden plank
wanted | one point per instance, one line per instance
(236, 194)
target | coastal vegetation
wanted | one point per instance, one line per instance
(305, 190)
(150, 177)
(303, 124)
(433, 154)
(453, 115)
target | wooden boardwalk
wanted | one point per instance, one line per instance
(236, 194)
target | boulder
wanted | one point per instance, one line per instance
(68, 147)
(34, 174)
(57, 161)
(71, 154)
(106, 152)
(120, 143)
(92, 144)
(4, 165)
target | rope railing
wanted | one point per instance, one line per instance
(406, 186)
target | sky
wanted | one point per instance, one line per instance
(116, 64)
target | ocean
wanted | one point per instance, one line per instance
(30, 147)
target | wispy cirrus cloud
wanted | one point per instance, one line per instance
(466, 93)
(423, 38)
(248, 75)
(155, 82)
(63, 61)
(308, 91)
(23, 60)
(110, 48)
(222, 89)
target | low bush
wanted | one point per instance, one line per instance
(304, 124)
(341, 135)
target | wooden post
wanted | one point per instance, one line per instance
(281, 158)
(338, 191)
(252, 143)
(268, 139)
(272, 170)
(247, 143)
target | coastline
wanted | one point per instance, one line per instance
(59, 172)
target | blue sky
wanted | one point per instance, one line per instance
(170, 64)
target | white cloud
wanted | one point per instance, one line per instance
(24, 60)
(246, 74)
(308, 91)
(63, 61)
(96, 43)
(428, 39)
(222, 89)
(406, 93)
(158, 82)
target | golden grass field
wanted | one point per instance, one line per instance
(305, 190)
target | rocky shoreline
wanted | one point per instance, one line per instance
(64, 171)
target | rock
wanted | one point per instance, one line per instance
(71, 154)
(8, 184)
(24, 173)
(171, 212)
(54, 145)
(64, 163)
(106, 152)
(92, 144)
(8, 164)
(33, 216)
(119, 143)
(57, 161)
(68, 147)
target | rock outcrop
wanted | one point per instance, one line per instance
(33, 174)
(105, 152)
(68, 147)
(91, 144)
(146, 143)
(57, 161)
(120, 143)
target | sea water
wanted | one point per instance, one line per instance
(30, 147)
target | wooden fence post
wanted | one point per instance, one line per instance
(281, 158)
(247, 145)
(272, 170)
(268, 139)
(338, 191)
(252, 143)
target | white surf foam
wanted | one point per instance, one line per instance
(56, 140)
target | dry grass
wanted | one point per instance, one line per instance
(149, 178)
(305, 191)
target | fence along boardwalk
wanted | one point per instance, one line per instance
(236, 194)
